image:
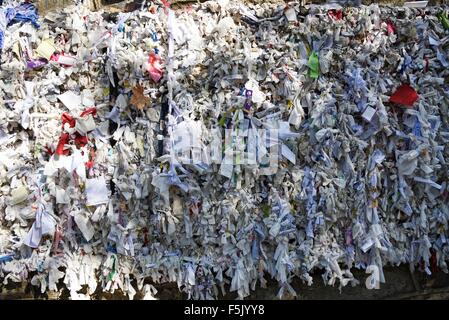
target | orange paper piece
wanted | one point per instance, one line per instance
(138, 99)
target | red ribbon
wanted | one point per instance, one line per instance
(90, 163)
(390, 27)
(155, 68)
(404, 95)
(67, 118)
(80, 141)
(54, 57)
(63, 140)
(336, 14)
(92, 111)
(48, 149)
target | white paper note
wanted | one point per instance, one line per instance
(96, 191)
(71, 100)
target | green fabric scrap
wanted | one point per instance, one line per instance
(222, 121)
(266, 209)
(314, 65)
(444, 20)
(113, 271)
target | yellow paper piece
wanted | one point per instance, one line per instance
(46, 49)
(19, 195)
(17, 50)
